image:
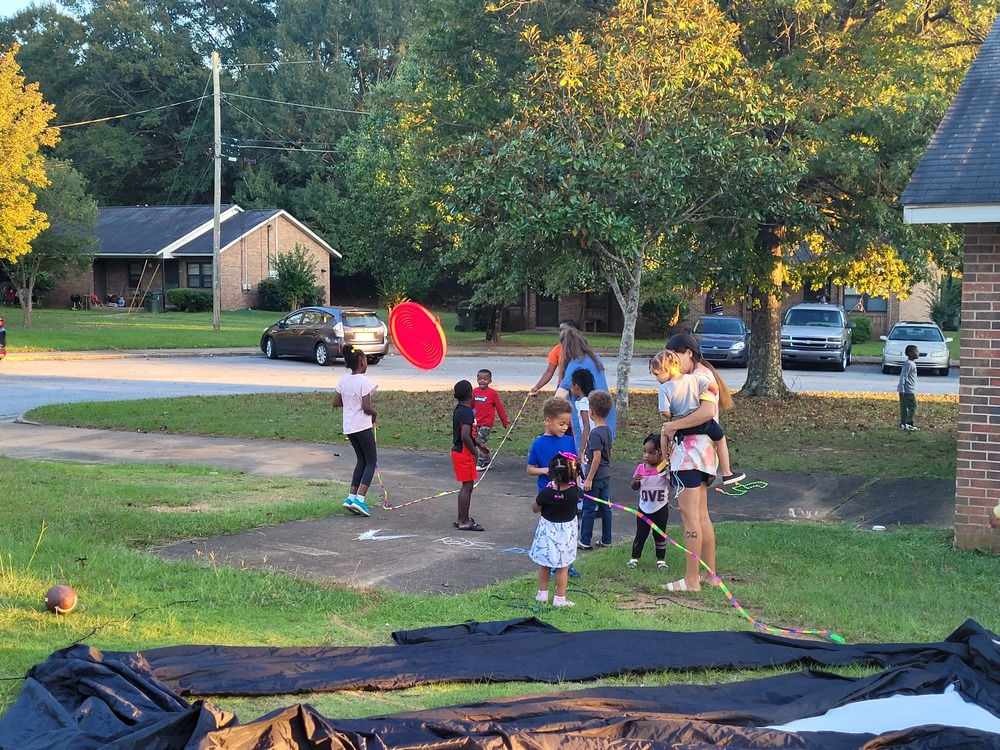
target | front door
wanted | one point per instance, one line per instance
(547, 313)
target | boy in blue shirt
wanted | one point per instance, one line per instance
(558, 414)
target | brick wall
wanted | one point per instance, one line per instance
(977, 483)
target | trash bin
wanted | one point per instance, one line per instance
(154, 302)
(466, 316)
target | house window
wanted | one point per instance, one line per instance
(135, 273)
(855, 302)
(199, 275)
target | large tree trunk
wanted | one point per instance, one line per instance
(494, 324)
(764, 377)
(628, 300)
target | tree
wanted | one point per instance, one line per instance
(64, 245)
(870, 81)
(624, 141)
(296, 276)
(24, 129)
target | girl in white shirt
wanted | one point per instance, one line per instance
(354, 394)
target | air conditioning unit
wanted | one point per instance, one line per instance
(273, 274)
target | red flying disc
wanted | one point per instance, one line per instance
(418, 335)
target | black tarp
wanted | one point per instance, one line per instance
(80, 698)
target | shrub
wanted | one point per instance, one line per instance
(269, 296)
(190, 300)
(664, 312)
(296, 277)
(862, 332)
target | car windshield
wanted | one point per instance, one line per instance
(827, 318)
(915, 333)
(362, 320)
(719, 325)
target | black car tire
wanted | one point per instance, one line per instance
(374, 360)
(845, 360)
(886, 370)
(322, 355)
(943, 372)
(270, 349)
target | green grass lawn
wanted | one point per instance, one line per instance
(907, 584)
(837, 433)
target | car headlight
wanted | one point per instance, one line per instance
(893, 351)
(936, 352)
(738, 346)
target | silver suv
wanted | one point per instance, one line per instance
(816, 332)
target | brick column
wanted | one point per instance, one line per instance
(977, 484)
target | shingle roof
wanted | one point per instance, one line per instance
(172, 231)
(962, 163)
(229, 232)
(146, 230)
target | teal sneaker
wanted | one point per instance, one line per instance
(361, 508)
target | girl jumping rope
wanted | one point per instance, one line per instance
(554, 545)
(354, 395)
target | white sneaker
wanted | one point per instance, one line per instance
(632, 564)
(661, 565)
(562, 602)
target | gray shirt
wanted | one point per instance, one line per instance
(682, 396)
(907, 377)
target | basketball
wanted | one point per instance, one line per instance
(60, 600)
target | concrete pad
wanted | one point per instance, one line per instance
(416, 548)
(902, 502)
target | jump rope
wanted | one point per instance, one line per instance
(736, 490)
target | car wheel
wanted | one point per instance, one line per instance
(270, 349)
(322, 354)
(845, 360)
(374, 360)
(886, 370)
(944, 371)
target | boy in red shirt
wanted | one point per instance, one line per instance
(487, 405)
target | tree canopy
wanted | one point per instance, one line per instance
(24, 130)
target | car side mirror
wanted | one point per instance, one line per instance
(748, 331)
(282, 325)
(948, 341)
(688, 330)
(850, 324)
(884, 338)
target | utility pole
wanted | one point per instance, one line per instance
(216, 231)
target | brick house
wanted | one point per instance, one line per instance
(145, 250)
(958, 181)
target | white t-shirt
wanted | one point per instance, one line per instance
(352, 388)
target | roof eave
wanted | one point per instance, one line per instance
(955, 213)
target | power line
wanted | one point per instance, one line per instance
(296, 104)
(129, 114)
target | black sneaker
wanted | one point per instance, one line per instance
(734, 478)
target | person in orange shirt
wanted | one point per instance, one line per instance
(556, 365)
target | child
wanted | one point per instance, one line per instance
(598, 481)
(464, 452)
(354, 394)
(908, 389)
(557, 413)
(554, 545)
(488, 407)
(653, 490)
(680, 395)
(580, 385)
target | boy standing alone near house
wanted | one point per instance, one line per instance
(908, 389)
(488, 406)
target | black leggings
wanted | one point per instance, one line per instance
(364, 448)
(643, 529)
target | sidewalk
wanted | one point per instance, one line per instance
(416, 549)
